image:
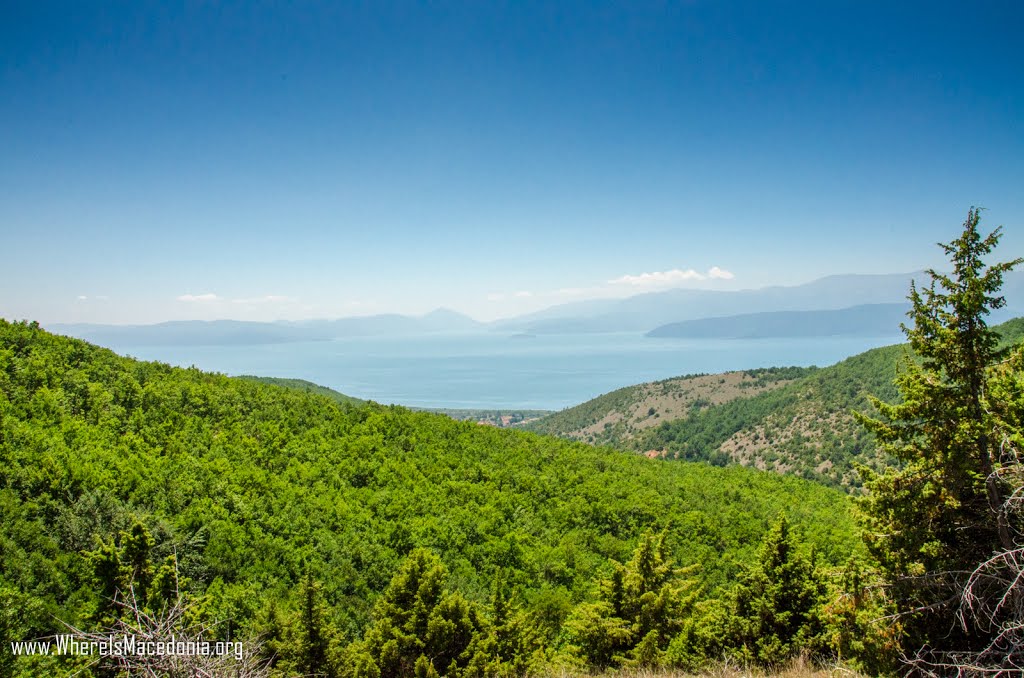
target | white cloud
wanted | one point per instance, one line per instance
(209, 296)
(658, 278)
(669, 278)
(720, 273)
(522, 294)
(82, 297)
(495, 296)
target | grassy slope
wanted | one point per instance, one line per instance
(802, 426)
(619, 417)
(806, 428)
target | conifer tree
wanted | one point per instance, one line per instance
(776, 608)
(931, 521)
(314, 630)
(420, 629)
(511, 639)
(126, 572)
(642, 607)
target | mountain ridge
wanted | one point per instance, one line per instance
(861, 320)
(246, 332)
(797, 421)
(644, 312)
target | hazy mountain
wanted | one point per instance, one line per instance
(645, 312)
(640, 313)
(239, 332)
(447, 320)
(867, 320)
(182, 332)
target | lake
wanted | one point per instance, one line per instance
(494, 371)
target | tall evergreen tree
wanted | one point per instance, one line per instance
(642, 607)
(776, 609)
(420, 629)
(930, 522)
(314, 630)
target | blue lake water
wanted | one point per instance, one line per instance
(493, 371)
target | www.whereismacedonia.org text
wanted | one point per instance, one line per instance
(126, 645)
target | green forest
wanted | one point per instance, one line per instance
(254, 491)
(336, 537)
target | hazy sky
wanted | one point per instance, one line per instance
(277, 160)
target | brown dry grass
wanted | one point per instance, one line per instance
(671, 400)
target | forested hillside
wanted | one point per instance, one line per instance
(620, 417)
(307, 387)
(796, 421)
(286, 514)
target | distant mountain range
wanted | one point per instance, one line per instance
(240, 332)
(645, 312)
(868, 320)
(836, 305)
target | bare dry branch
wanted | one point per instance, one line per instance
(166, 644)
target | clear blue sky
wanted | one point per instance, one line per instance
(277, 160)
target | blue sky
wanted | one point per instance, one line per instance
(269, 160)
